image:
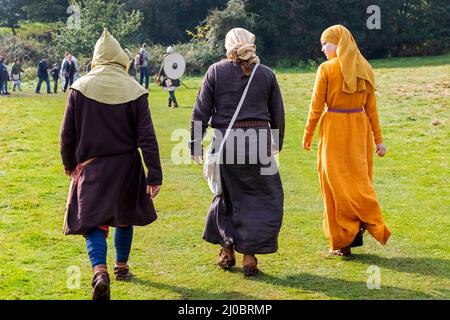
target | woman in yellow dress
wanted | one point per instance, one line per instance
(345, 83)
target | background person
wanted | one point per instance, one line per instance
(75, 61)
(4, 77)
(143, 64)
(55, 76)
(42, 73)
(169, 85)
(16, 71)
(68, 71)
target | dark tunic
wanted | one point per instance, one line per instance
(16, 69)
(249, 211)
(42, 70)
(68, 69)
(111, 190)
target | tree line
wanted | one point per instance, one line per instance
(287, 30)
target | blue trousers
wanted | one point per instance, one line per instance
(144, 75)
(97, 248)
(47, 81)
(3, 86)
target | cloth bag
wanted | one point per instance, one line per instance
(211, 169)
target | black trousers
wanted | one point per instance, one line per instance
(55, 85)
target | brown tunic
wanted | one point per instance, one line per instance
(110, 190)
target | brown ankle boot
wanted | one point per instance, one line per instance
(122, 273)
(226, 258)
(100, 285)
(250, 265)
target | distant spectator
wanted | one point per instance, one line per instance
(55, 76)
(42, 73)
(132, 70)
(4, 77)
(75, 61)
(16, 71)
(137, 59)
(143, 64)
(68, 71)
(169, 85)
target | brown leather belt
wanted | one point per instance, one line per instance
(247, 124)
(337, 110)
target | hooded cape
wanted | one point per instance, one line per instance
(108, 82)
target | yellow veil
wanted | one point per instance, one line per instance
(355, 69)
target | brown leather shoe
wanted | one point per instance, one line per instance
(100, 285)
(122, 273)
(226, 258)
(250, 265)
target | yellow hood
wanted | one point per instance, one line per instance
(108, 82)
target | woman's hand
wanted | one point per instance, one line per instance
(152, 191)
(197, 159)
(307, 145)
(381, 149)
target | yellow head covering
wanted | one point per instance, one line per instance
(108, 82)
(240, 44)
(355, 69)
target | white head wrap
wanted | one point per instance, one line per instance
(240, 44)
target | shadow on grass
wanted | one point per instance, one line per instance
(193, 294)
(422, 265)
(341, 289)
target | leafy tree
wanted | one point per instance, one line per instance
(166, 21)
(80, 37)
(209, 39)
(291, 29)
(10, 14)
(45, 10)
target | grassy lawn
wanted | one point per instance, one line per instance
(169, 258)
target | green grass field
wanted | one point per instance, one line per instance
(169, 258)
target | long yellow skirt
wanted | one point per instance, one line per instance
(345, 160)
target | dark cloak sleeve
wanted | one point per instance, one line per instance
(276, 111)
(68, 137)
(146, 140)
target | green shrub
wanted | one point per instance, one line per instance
(29, 50)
